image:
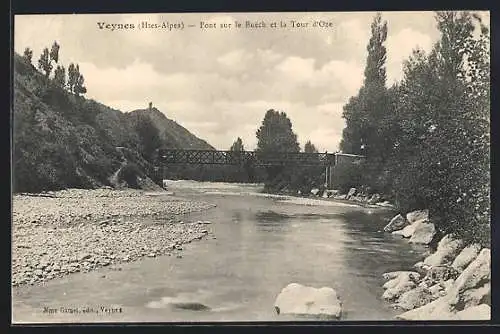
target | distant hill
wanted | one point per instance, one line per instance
(172, 134)
(61, 140)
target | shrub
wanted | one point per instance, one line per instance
(129, 173)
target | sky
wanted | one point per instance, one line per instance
(219, 82)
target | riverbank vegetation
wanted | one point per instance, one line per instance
(426, 138)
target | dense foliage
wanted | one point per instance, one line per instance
(276, 135)
(429, 143)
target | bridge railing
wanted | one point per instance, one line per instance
(175, 156)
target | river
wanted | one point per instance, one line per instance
(262, 244)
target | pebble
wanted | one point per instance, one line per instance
(81, 230)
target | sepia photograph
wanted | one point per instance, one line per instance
(251, 167)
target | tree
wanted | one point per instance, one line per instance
(60, 76)
(54, 52)
(365, 112)
(76, 80)
(72, 78)
(310, 148)
(276, 134)
(441, 160)
(28, 55)
(149, 136)
(44, 62)
(237, 145)
(79, 87)
(369, 114)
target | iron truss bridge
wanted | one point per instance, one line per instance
(213, 157)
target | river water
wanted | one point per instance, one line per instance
(262, 245)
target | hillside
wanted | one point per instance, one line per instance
(172, 134)
(61, 140)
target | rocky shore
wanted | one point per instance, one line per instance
(58, 233)
(452, 283)
(353, 195)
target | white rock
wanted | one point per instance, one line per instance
(406, 232)
(466, 256)
(446, 250)
(423, 233)
(296, 299)
(417, 215)
(351, 193)
(403, 282)
(315, 191)
(397, 223)
(474, 297)
(443, 308)
(479, 312)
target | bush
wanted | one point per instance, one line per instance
(346, 176)
(129, 173)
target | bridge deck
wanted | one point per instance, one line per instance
(213, 157)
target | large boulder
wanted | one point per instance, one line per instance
(466, 256)
(417, 215)
(474, 278)
(446, 251)
(299, 300)
(424, 232)
(480, 295)
(406, 232)
(479, 312)
(399, 283)
(397, 223)
(477, 273)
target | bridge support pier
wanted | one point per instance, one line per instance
(329, 177)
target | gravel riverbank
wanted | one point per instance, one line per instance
(58, 233)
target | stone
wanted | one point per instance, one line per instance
(395, 274)
(446, 250)
(315, 191)
(479, 312)
(440, 274)
(474, 297)
(475, 276)
(406, 232)
(84, 256)
(466, 256)
(403, 282)
(397, 223)
(351, 193)
(422, 267)
(300, 300)
(415, 298)
(424, 232)
(417, 215)
(477, 272)
(374, 199)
